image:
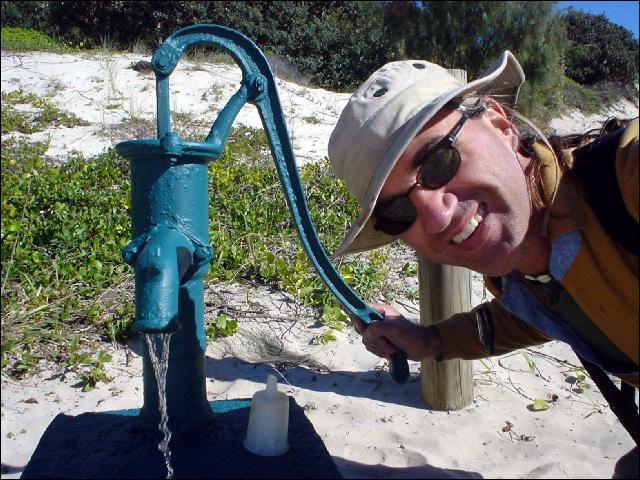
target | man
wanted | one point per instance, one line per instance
(439, 165)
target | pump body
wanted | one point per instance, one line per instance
(170, 252)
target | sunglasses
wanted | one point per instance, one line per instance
(438, 165)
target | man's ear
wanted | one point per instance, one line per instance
(498, 119)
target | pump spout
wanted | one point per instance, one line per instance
(161, 266)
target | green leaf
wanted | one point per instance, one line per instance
(409, 269)
(104, 357)
(221, 321)
(540, 404)
(13, 227)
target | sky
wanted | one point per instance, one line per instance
(621, 13)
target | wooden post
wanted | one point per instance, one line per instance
(444, 291)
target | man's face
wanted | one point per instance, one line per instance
(480, 219)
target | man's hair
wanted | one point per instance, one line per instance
(562, 147)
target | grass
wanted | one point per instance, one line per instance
(42, 113)
(584, 99)
(65, 289)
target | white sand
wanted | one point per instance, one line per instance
(371, 426)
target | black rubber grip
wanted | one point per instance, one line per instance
(399, 366)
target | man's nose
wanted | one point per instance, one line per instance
(434, 208)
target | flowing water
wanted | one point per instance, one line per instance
(158, 347)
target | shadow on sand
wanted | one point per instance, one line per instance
(108, 445)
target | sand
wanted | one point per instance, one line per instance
(371, 426)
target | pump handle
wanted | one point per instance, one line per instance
(259, 87)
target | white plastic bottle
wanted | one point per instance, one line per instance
(268, 421)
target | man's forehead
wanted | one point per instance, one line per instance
(439, 118)
(434, 130)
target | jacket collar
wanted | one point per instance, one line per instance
(565, 209)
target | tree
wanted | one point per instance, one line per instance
(599, 50)
(344, 46)
(402, 21)
(123, 22)
(28, 14)
(470, 35)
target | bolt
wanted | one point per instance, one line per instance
(203, 255)
(258, 84)
(129, 253)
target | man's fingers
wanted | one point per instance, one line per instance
(375, 335)
(387, 311)
(381, 349)
(358, 325)
(376, 342)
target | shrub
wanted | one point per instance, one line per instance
(63, 228)
(14, 38)
(25, 14)
(577, 97)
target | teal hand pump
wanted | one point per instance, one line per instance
(170, 252)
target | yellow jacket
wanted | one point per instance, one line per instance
(598, 275)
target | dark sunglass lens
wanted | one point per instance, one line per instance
(396, 217)
(400, 210)
(439, 168)
(392, 228)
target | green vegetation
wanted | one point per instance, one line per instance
(42, 114)
(14, 38)
(65, 287)
(253, 230)
(62, 230)
(600, 51)
(89, 368)
(591, 100)
(221, 327)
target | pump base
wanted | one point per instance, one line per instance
(108, 445)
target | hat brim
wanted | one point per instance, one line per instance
(502, 79)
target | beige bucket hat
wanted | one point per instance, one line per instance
(384, 115)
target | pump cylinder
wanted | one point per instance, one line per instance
(172, 192)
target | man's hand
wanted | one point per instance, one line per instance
(382, 337)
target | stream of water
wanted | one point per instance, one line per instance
(158, 347)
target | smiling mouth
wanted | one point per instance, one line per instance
(470, 227)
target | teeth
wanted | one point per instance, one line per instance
(470, 227)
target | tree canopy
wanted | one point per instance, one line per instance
(337, 44)
(599, 50)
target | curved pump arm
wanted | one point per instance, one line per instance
(259, 87)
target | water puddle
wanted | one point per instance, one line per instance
(158, 347)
